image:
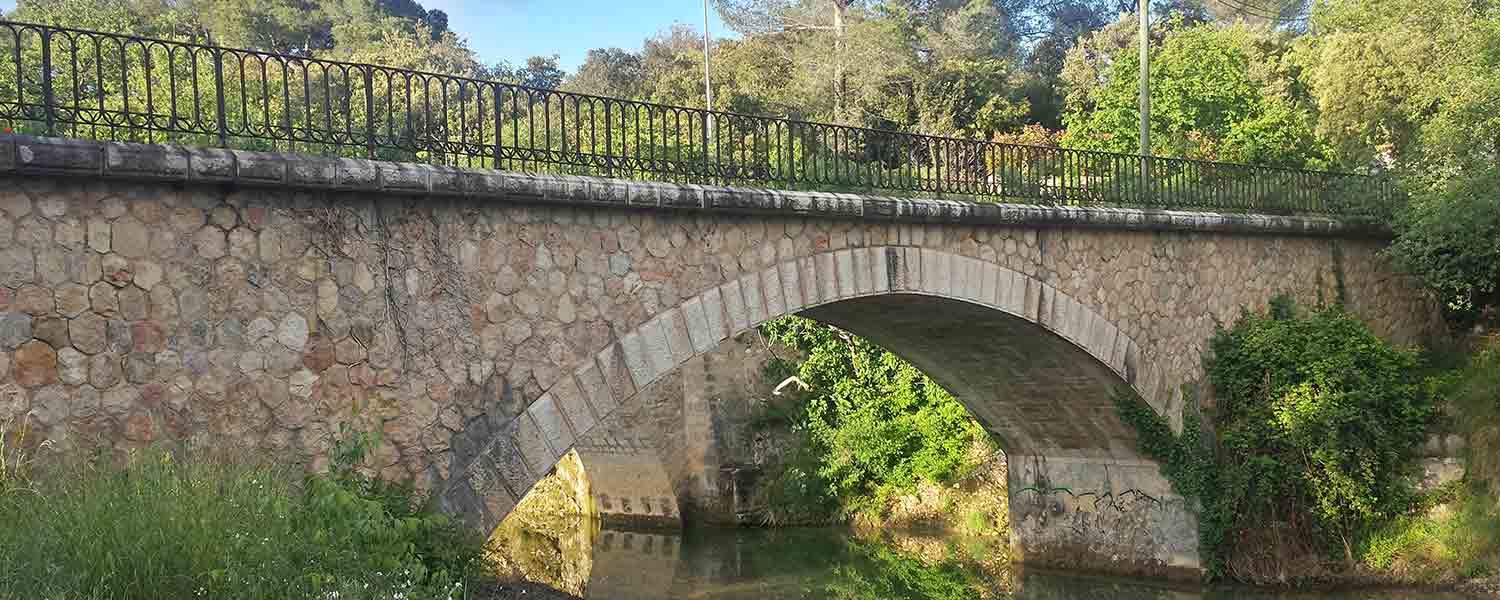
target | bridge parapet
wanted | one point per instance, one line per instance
(24, 155)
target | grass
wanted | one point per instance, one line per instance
(219, 524)
(1455, 540)
(1454, 534)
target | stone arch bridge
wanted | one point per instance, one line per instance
(485, 321)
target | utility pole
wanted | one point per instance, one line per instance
(708, 88)
(1144, 10)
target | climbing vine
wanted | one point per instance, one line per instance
(1186, 461)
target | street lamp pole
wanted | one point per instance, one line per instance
(708, 89)
(1144, 10)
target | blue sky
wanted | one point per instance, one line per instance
(512, 30)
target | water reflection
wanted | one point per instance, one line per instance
(787, 564)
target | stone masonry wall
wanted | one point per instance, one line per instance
(134, 312)
(265, 312)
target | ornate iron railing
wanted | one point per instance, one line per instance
(86, 84)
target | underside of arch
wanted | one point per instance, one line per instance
(1035, 391)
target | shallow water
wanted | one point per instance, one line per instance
(787, 564)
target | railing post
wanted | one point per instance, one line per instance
(369, 111)
(49, 106)
(1146, 195)
(219, 98)
(609, 148)
(498, 123)
(708, 119)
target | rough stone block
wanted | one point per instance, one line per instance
(549, 419)
(505, 459)
(1017, 296)
(443, 180)
(403, 177)
(638, 364)
(570, 399)
(927, 259)
(734, 307)
(8, 154)
(540, 456)
(908, 270)
(770, 287)
(843, 261)
(828, 277)
(678, 339)
(697, 324)
(606, 381)
(258, 167)
(713, 310)
(603, 190)
(991, 278)
(807, 277)
(310, 171)
(1117, 354)
(51, 155)
(881, 268)
(145, 161)
(755, 302)
(974, 280)
(864, 269)
(791, 286)
(658, 351)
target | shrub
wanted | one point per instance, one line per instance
(1316, 423)
(1316, 416)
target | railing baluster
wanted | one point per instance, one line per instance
(48, 102)
(220, 121)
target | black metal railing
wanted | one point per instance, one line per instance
(69, 82)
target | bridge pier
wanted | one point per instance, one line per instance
(1097, 515)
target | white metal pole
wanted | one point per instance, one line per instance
(708, 88)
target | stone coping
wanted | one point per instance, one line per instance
(26, 155)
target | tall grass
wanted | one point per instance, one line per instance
(1454, 533)
(220, 524)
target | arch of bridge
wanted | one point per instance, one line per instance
(1036, 366)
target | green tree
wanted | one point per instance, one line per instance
(874, 423)
(1413, 86)
(1210, 98)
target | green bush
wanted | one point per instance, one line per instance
(1447, 236)
(873, 424)
(221, 524)
(1315, 415)
(1316, 424)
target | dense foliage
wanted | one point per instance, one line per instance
(872, 424)
(1316, 423)
(211, 524)
(1212, 97)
